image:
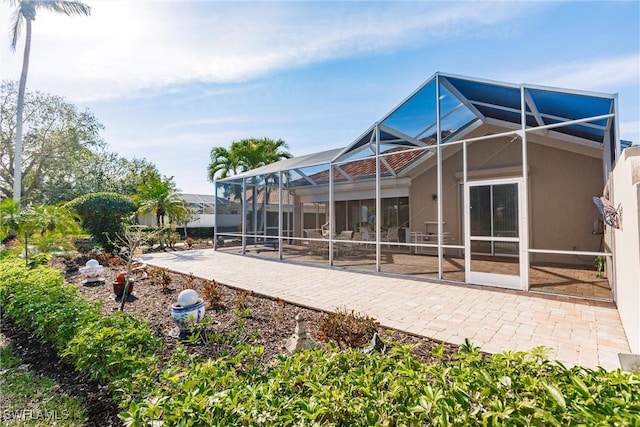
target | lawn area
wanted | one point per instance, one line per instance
(28, 398)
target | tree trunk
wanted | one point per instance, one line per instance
(17, 169)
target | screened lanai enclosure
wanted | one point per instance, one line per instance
(467, 180)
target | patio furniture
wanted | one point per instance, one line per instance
(319, 246)
(393, 235)
(346, 235)
(346, 246)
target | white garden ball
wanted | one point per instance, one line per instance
(188, 297)
(92, 263)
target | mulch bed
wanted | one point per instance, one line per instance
(267, 322)
(42, 359)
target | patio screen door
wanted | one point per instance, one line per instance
(493, 240)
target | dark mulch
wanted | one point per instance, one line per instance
(267, 322)
(42, 359)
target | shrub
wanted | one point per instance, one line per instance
(350, 388)
(242, 298)
(159, 276)
(213, 294)
(118, 349)
(38, 300)
(347, 329)
(103, 214)
(113, 347)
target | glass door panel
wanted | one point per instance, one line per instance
(494, 233)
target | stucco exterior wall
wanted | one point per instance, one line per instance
(562, 213)
(624, 192)
(561, 186)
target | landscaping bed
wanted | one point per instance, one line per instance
(273, 320)
(42, 360)
(266, 322)
(223, 376)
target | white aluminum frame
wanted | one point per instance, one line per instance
(519, 282)
(373, 136)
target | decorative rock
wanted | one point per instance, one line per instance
(188, 297)
(376, 345)
(301, 338)
(92, 271)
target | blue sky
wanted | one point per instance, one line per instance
(172, 79)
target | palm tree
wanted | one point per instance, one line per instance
(48, 227)
(245, 155)
(10, 219)
(158, 195)
(223, 163)
(26, 9)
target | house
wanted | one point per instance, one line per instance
(204, 208)
(467, 180)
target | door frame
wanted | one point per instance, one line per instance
(493, 279)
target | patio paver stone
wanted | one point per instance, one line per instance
(577, 332)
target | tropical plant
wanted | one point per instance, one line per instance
(103, 215)
(245, 155)
(158, 195)
(224, 163)
(41, 227)
(26, 10)
(10, 214)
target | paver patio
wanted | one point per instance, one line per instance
(578, 332)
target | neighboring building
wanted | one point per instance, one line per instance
(467, 180)
(204, 209)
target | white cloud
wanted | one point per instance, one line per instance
(126, 46)
(210, 121)
(630, 131)
(600, 74)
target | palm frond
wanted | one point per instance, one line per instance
(16, 28)
(67, 7)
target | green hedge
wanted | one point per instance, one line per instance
(352, 389)
(312, 387)
(38, 300)
(110, 349)
(103, 214)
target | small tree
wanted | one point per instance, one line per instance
(131, 240)
(103, 215)
(47, 227)
(191, 216)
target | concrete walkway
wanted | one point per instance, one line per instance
(578, 332)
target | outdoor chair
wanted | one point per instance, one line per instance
(346, 246)
(365, 235)
(346, 235)
(393, 235)
(317, 247)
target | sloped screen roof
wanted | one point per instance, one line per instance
(545, 106)
(462, 101)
